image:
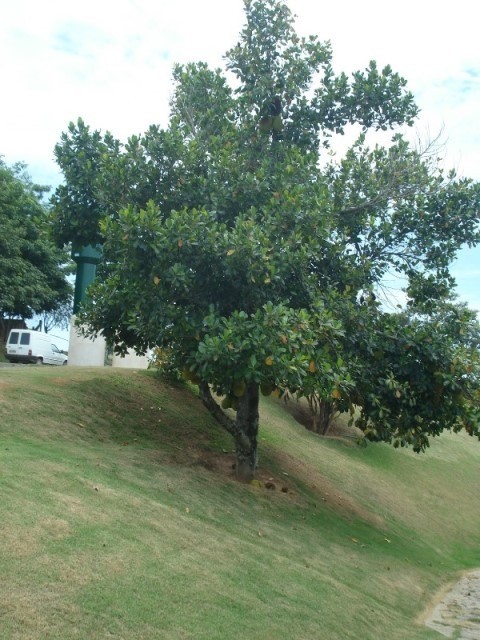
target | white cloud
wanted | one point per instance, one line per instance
(110, 62)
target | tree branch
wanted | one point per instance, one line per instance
(221, 417)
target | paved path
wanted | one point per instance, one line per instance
(458, 614)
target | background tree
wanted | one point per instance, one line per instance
(256, 251)
(32, 275)
(59, 318)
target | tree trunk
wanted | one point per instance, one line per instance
(247, 428)
(325, 414)
(322, 413)
(244, 429)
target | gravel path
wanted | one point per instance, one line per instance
(458, 614)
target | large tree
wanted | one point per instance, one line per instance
(251, 254)
(32, 274)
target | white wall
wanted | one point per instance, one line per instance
(83, 351)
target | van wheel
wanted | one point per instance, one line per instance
(39, 361)
(65, 363)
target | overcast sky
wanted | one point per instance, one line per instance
(110, 63)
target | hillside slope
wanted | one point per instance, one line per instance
(120, 518)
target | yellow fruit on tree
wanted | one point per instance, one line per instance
(277, 124)
(266, 123)
(227, 402)
(239, 388)
(189, 375)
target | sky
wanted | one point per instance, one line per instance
(110, 62)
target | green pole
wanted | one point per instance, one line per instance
(87, 259)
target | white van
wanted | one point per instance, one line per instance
(26, 345)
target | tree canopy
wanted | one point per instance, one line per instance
(32, 276)
(236, 240)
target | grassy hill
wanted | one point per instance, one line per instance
(120, 518)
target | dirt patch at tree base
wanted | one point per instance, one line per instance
(456, 611)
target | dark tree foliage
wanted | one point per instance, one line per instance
(32, 275)
(236, 241)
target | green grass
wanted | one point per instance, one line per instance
(120, 518)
